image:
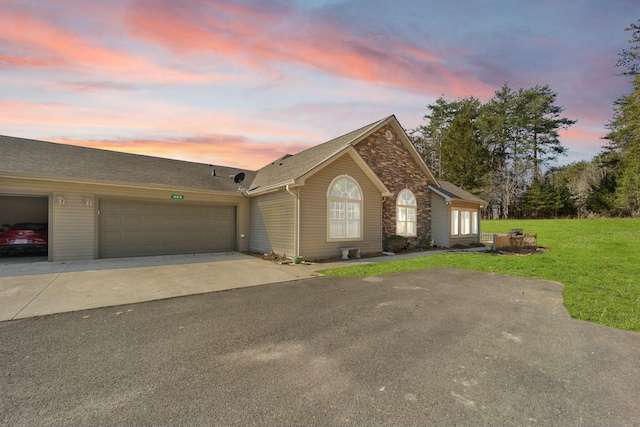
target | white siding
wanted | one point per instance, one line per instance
(273, 223)
(440, 218)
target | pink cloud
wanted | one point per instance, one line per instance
(43, 45)
(582, 136)
(223, 150)
(255, 38)
(155, 118)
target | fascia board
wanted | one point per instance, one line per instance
(369, 172)
(119, 184)
(358, 160)
(440, 193)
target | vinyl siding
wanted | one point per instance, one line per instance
(313, 212)
(73, 227)
(439, 220)
(273, 223)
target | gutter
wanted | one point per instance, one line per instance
(272, 187)
(296, 248)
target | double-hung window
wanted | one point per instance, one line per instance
(345, 209)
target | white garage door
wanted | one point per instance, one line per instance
(133, 228)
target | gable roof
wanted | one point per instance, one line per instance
(451, 192)
(47, 160)
(293, 169)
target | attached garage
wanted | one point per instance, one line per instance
(129, 228)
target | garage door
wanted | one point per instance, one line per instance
(132, 228)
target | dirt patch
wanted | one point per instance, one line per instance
(522, 251)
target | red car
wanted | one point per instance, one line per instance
(24, 237)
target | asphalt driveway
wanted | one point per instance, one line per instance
(440, 347)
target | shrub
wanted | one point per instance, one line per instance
(395, 243)
(425, 242)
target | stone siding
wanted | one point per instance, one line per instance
(398, 170)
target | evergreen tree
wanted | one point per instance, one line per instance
(464, 159)
(521, 130)
(541, 121)
(450, 145)
(630, 58)
(624, 135)
(579, 178)
(494, 149)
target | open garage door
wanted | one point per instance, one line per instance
(26, 213)
(133, 228)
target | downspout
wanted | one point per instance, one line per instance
(296, 242)
(384, 232)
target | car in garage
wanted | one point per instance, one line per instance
(24, 237)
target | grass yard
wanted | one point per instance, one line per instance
(597, 261)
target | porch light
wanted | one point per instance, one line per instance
(60, 200)
(88, 202)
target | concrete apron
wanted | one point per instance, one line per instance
(30, 289)
(41, 288)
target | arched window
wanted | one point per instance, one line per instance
(406, 218)
(345, 209)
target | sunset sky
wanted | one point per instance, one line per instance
(240, 83)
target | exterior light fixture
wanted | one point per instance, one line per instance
(88, 202)
(60, 200)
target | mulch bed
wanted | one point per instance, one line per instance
(283, 259)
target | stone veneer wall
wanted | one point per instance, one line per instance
(398, 170)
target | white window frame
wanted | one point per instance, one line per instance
(342, 210)
(455, 222)
(464, 222)
(406, 214)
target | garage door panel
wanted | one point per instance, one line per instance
(123, 208)
(152, 236)
(150, 228)
(131, 222)
(160, 209)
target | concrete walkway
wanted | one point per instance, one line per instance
(35, 288)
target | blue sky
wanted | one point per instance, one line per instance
(240, 83)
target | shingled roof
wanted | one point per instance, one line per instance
(32, 158)
(27, 157)
(291, 167)
(452, 192)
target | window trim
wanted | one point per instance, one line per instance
(333, 199)
(414, 207)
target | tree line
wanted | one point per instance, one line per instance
(502, 151)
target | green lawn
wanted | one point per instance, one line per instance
(597, 261)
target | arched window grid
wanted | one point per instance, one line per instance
(344, 200)
(406, 214)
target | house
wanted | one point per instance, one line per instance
(350, 192)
